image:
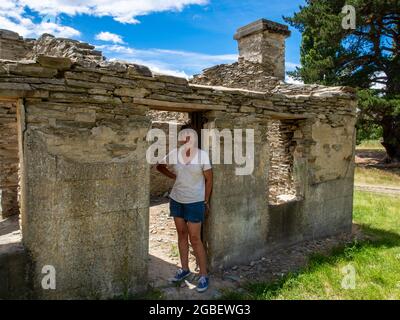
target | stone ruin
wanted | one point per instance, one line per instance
(73, 132)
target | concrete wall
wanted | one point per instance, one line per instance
(327, 204)
(237, 226)
(86, 200)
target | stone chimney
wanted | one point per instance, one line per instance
(263, 42)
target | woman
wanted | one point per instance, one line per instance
(189, 200)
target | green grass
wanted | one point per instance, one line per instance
(376, 261)
(174, 251)
(370, 145)
(375, 176)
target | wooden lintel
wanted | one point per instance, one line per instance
(287, 116)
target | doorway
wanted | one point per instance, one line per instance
(163, 242)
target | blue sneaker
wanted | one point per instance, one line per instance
(180, 275)
(203, 284)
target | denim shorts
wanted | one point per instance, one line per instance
(190, 212)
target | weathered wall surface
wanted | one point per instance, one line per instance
(263, 42)
(77, 51)
(334, 146)
(272, 47)
(85, 183)
(311, 167)
(281, 182)
(8, 160)
(86, 201)
(72, 100)
(13, 46)
(261, 63)
(242, 74)
(238, 222)
(327, 203)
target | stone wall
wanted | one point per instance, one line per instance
(281, 173)
(77, 51)
(85, 204)
(237, 227)
(13, 46)
(311, 164)
(325, 205)
(85, 180)
(242, 74)
(263, 42)
(9, 160)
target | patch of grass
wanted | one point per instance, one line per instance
(375, 176)
(376, 261)
(174, 252)
(370, 145)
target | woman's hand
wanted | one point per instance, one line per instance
(207, 204)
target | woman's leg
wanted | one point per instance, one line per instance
(197, 244)
(183, 242)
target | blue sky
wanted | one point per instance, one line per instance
(179, 37)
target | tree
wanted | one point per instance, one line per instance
(367, 57)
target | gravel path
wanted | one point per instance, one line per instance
(378, 189)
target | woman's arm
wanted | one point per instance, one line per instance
(165, 171)
(208, 175)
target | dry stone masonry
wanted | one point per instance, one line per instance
(9, 160)
(281, 175)
(81, 124)
(13, 46)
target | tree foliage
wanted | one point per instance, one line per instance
(367, 58)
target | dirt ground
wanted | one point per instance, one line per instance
(373, 158)
(164, 260)
(10, 234)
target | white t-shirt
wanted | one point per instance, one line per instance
(189, 185)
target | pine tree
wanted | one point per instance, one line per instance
(367, 57)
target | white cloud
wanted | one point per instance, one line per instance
(174, 62)
(14, 14)
(124, 11)
(290, 66)
(291, 80)
(379, 85)
(109, 37)
(27, 28)
(14, 17)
